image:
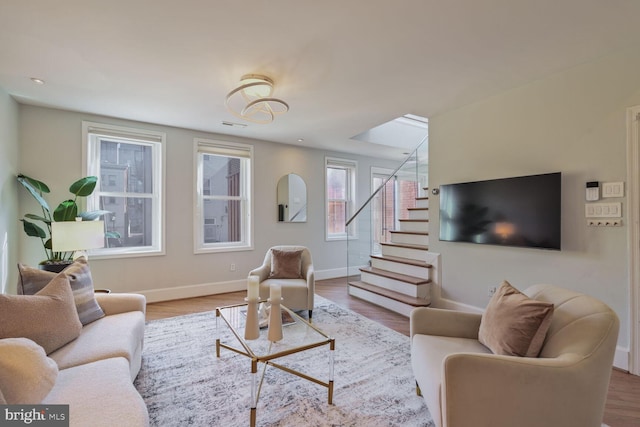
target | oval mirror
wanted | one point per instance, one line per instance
(292, 199)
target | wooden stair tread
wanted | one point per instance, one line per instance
(413, 220)
(422, 198)
(417, 209)
(401, 260)
(418, 233)
(396, 296)
(406, 245)
(396, 276)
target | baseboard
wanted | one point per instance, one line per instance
(204, 289)
(191, 291)
(621, 358)
(455, 305)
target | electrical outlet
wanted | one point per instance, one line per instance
(492, 290)
(232, 267)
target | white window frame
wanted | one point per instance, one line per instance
(351, 166)
(92, 133)
(229, 149)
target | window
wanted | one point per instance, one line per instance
(340, 178)
(130, 166)
(223, 211)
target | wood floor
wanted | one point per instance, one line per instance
(623, 400)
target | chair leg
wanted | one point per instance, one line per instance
(310, 314)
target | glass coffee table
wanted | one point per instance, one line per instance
(297, 336)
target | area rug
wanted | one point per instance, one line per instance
(184, 384)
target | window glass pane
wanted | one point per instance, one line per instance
(336, 183)
(222, 221)
(131, 217)
(220, 176)
(337, 217)
(125, 167)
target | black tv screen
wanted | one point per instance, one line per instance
(521, 211)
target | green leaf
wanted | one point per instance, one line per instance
(66, 211)
(84, 186)
(47, 244)
(93, 215)
(38, 218)
(35, 187)
(33, 230)
(112, 235)
(39, 185)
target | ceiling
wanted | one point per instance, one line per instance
(342, 66)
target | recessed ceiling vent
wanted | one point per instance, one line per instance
(234, 125)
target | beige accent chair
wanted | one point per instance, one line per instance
(465, 385)
(297, 294)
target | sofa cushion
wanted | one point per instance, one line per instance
(27, 375)
(100, 394)
(33, 279)
(118, 335)
(49, 317)
(286, 264)
(514, 324)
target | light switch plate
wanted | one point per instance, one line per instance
(603, 210)
(612, 189)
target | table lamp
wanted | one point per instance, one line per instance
(77, 236)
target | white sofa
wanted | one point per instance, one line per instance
(466, 385)
(95, 371)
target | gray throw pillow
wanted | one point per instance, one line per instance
(33, 280)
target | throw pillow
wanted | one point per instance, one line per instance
(27, 375)
(514, 324)
(286, 264)
(49, 317)
(33, 279)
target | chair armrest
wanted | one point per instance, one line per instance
(115, 303)
(445, 323)
(503, 391)
(262, 272)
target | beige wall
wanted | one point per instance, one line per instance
(50, 144)
(9, 225)
(573, 122)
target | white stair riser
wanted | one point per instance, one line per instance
(418, 214)
(397, 267)
(411, 253)
(411, 239)
(422, 226)
(422, 203)
(393, 305)
(419, 291)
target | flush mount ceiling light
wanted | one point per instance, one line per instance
(252, 100)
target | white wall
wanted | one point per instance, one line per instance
(9, 224)
(573, 122)
(50, 144)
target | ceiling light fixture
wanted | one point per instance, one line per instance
(37, 81)
(252, 101)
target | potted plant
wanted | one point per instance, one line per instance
(66, 211)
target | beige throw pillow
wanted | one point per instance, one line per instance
(514, 324)
(49, 317)
(27, 375)
(33, 279)
(286, 264)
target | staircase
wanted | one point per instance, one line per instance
(400, 278)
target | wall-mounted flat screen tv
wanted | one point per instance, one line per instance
(523, 211)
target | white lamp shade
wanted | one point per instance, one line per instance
(69, 236)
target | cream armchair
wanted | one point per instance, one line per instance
(297, 293)
(465, 385)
